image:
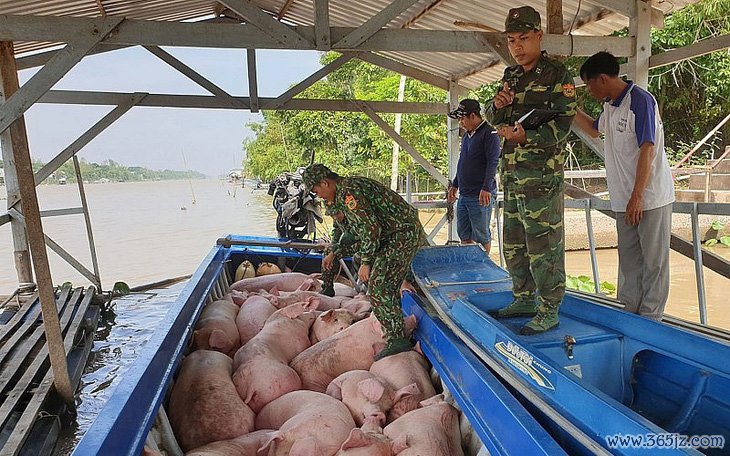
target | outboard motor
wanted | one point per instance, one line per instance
(297, 210)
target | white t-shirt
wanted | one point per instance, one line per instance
(628, 122)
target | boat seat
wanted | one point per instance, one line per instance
(678, 396)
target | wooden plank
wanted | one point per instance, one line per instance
(15, 319)
(322, 37)
(374, 24)
(314, 77)
(267, 24)
(19, 433)
(25, 327)
(253, 88)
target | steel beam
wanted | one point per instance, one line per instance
(316, 76)
(209, 102)
(405, 145)
(322, 39)
(253, 85)
(195, 76)
(266, 23)
(54, 70)
(87, 222)
(358, 36)
(237, 36)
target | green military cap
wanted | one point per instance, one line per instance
(314, 174)
(522, 19)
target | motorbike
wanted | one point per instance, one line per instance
(297, 210)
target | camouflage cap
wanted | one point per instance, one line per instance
(314, 174)
(522, 19)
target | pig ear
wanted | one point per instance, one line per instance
(400, 444)
(304, 447)
(356, 439)
(334, 389)
(406, 391)
(274, 437)
(313, 303)
(293, 311)
(371, 388)
(327, 316)
(306, 284)
(437, 399)
(219, 340)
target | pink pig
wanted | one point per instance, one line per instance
(247, 444)
(288, 281)
(236, 297)
(401, 370)
(308, 423)
(262, 365)
(286, 298)
(252, 316)
(353, 348)
(359, 305)
(216, 329)
(432, 430)
(367, 396)
(330, 323)
(369, 440)
(204, 406)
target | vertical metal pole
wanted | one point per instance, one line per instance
(409, 194)
(36, 241)
(499, 211)
(87, 220)
(592, 245)
(396, 147)
(14, 137)
(697, 244)
(452, 142)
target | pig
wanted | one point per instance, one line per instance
(246, 445)
(308, 423)
(236, 297)
(432, 429)
(267, 269)
(330, 323)
(245, 270)
(367, 396)
(344, 290)
(252, 317)
(401, 370)
(216, 329)
(369, 440)
(353, 348)
(204, 406)
(262, 365)
(285, 298)
(288, 281)
(359, 305)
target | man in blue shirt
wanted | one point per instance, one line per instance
(475, 173)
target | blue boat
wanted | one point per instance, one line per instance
(502, 424)
(605, 381)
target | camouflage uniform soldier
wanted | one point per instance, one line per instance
(532, 172)
(389, 234)
(343, 245)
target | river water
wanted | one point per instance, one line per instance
(150, 231)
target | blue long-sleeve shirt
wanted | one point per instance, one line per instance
(478, 162)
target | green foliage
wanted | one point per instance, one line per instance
(350, 143)
(717, 236)
(114, 172)
(717, 225)
(585, 284)
(120, 289)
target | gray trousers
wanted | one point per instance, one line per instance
(643, 258)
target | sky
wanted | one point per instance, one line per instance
(209, 140)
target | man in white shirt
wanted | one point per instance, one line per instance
(639, 183)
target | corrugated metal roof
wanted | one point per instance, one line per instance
(472, 70)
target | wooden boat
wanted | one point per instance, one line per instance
(502, 426)
(601, 377)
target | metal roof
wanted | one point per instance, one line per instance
(472, 70)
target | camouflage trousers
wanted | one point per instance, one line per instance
(328, 276)
(534, 244)
(391, 264)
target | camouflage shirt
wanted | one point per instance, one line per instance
(341, 236)
(549, 86)
(373, 212)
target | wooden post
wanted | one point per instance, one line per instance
(640, 28)
(34, 229)
(11, 139)
(555, 17)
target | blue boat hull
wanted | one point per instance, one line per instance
(502, 424)
(625, 375)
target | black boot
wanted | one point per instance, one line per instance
(328, 290)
